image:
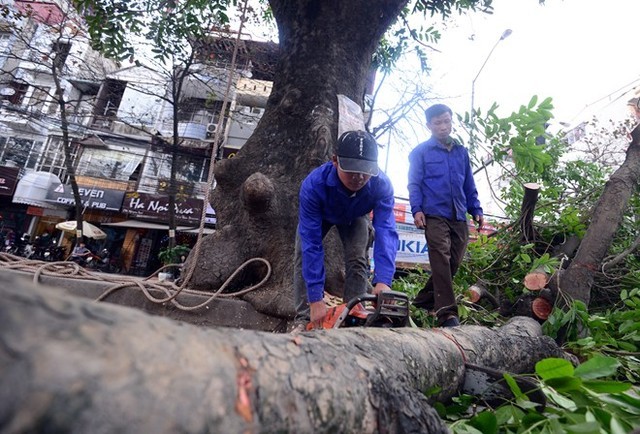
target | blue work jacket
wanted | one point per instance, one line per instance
(323, 198)
(441, 181)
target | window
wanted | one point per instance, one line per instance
(24, 153)
(199, 110)
(53, 158)
(15, 92)
(189, 168)
(108, 164)
(60, 52)
(109, 98)
(53, 106)
(38, 99)
(5, 39)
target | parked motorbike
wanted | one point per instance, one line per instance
(102, 262)
(53, 252)
(21, 247)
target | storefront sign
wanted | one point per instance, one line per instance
(8, 180)
(91, 197)
(156, 207)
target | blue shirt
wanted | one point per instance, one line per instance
(323, 198)
(441, 181)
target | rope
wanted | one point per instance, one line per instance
(72, 270)
(210, 178)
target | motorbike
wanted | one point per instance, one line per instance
(21, 247)
(53, 252)
(102, 262)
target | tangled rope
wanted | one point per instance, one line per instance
(71, 270)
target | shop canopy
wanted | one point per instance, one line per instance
(139, 224)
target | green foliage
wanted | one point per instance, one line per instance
(587, 398)
(115, 26)
(173, 255)
(598, 395)
(411, 285)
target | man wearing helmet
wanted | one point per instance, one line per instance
(342, 193)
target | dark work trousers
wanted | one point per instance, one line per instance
(447, 243)
(355, 239)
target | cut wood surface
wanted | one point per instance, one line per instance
(536, 279)
(71, 365)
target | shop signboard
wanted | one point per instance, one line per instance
(92, 197)
(155, 207)
(8, 180)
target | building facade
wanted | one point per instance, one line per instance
(120, 128)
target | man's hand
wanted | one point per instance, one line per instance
(318, 312)
(479, 219)
(420, 220)
(379, 288)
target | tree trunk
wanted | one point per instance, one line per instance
(325, 50)
(607, 215)
(70, 365)
(529, 201)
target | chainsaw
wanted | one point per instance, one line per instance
(387, 309)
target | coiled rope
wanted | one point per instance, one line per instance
(71, 270)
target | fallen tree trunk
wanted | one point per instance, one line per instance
(605, 221)
(70, 365)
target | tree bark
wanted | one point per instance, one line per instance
(70, 365)
(326, 49)
(607, 215)
(529, 201)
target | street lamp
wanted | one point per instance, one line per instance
(504, 35)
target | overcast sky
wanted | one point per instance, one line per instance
(582, 53)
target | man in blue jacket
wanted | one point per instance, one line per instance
(441, 193)
(342, 193)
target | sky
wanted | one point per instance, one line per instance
(579, 52)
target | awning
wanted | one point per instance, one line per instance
(138, 224)
(32, 189)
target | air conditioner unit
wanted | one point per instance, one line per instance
(211, 128)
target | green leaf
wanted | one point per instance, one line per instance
(597, 367)
(554, 368)
(616, 427)
(486, 422)
(515, 389)
(564, 384)
(559, 399)
(599, 386)
(586, 427)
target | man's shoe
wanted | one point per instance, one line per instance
(452, 321)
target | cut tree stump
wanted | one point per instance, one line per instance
(478, 291)
(71, 365)
(536, 279)
(529, 201)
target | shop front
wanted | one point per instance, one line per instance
(99, 206)
(148, 230)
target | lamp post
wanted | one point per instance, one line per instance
(504, 35)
